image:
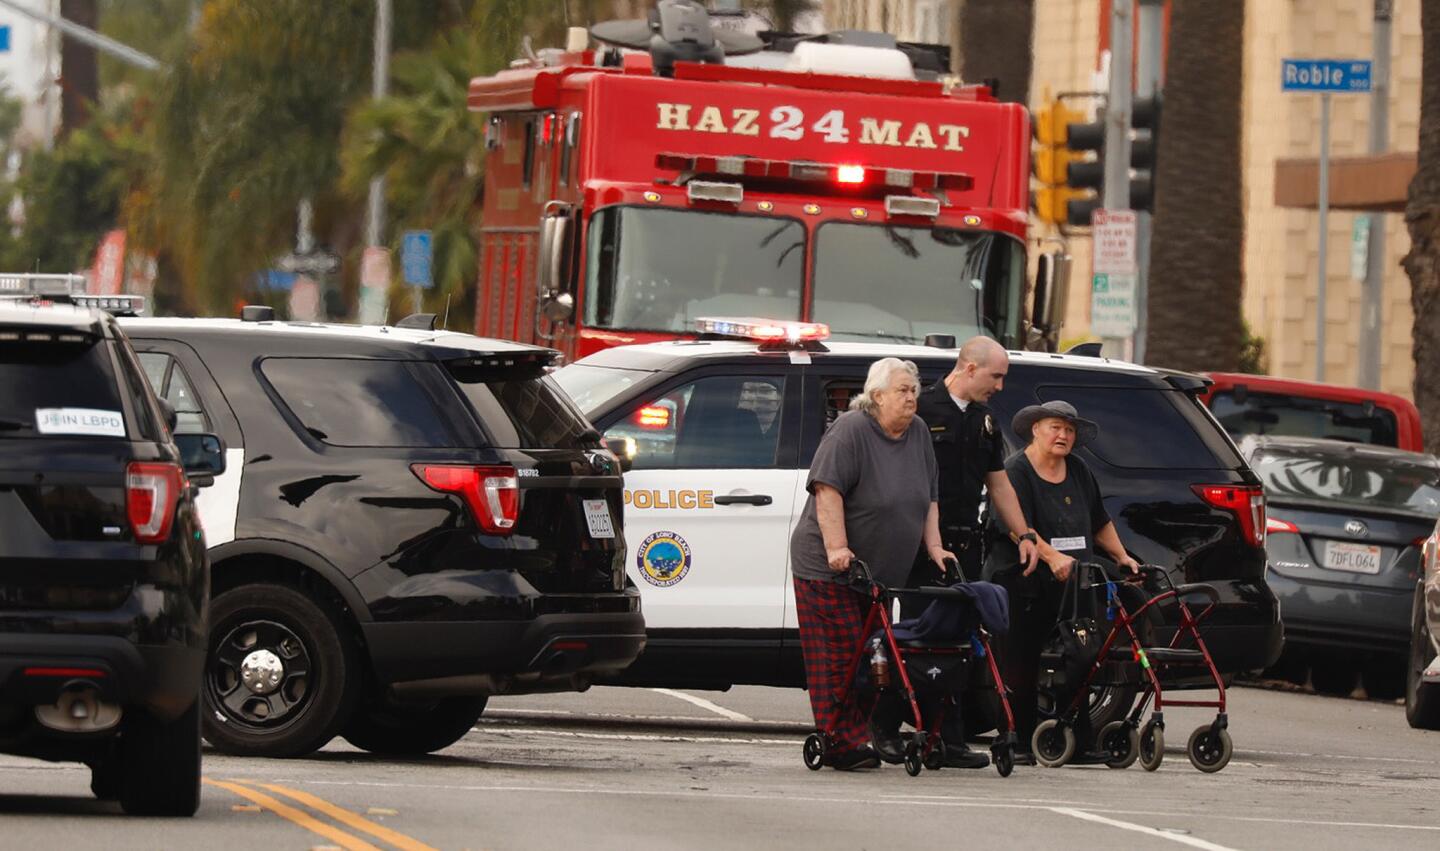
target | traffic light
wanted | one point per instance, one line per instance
(1087, 174)
(1052, 159)
(1144, 143)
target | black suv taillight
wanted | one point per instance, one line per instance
(151, 491)
(492, 493)
(1246, 502)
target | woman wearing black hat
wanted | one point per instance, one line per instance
(1061, 499)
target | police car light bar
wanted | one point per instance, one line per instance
(765, 330)
(120, 305)
(849, 173)
(27, 283)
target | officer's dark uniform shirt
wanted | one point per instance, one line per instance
(968, 446)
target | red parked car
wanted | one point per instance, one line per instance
(1259, 404)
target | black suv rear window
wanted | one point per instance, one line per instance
(54, 376)
(1145, 428)
(523, 409)
(346, 402)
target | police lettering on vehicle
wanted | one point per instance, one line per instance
(791, 124)
(678, 499)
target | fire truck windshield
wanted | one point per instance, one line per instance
(659, 269)
(877, 281)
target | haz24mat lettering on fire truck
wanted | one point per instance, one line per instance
(789, 123)
(663, 558)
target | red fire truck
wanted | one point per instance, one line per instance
(622, 205)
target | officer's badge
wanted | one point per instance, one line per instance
(989, 424)
(1067, 500)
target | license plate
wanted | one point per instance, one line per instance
(597, 517)
(1355, 558)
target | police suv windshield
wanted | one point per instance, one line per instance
(879, 281)
(657, 269)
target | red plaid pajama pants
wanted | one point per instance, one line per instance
(831, 617)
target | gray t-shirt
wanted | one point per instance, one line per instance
(887, 485)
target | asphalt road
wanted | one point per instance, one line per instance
(639, 768)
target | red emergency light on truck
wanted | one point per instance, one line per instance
(622, 205)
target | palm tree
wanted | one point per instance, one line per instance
(995, 44)
(1422, 218)
(1196, 264)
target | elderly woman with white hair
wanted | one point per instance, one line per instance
(873, 489)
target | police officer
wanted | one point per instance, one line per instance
(970, 452)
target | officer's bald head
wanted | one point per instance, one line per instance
(979, 371)
(981, 351)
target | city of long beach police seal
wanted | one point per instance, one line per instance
(663, 558)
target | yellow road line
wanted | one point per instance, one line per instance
(305, 820)
(353, 819)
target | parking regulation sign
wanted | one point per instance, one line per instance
(416, 259)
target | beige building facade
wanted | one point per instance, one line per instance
(1281, 245)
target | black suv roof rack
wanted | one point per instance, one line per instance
(40, 289)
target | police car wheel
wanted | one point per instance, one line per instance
(412, 729)
(281, 676)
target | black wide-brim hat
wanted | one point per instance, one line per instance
(1024, 422)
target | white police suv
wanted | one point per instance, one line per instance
(720, 432)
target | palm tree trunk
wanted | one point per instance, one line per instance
(995, 44)
(1196, 264)
(1422, 218)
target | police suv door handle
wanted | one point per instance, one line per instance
(746, 499)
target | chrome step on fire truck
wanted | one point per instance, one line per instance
(681, 171)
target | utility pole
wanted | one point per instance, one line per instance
(1115, 195)
(1372, 293)
(375, 211)
(1150, 71)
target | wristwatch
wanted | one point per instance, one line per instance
(1031, 537)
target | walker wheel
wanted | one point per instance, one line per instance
(935, 759)
(1004, 758)
(814, 751)
(1053, 743)
(1152, 745)
(1209, 749)
(913, 764)
(1121, 741)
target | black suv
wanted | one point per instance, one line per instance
(413, 520)
(721, 434)
(104, 580)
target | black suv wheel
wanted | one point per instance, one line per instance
(413, 728)
(281, 676)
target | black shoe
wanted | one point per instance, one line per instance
(962, 757)
(1089, 758)
(855, 760)
(1024, 758)
(888, 745)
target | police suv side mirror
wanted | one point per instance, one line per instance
(202, 456)
(621, 448)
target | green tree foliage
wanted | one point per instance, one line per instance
(248, 122)
(74, 192)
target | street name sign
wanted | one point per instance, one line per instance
(1339, 76)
